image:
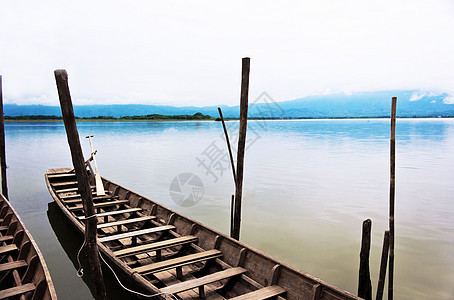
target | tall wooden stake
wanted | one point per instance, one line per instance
(392, 188)
(241, 145)
(384, 262)
(364, 283)
(61, 78)
(2, 145)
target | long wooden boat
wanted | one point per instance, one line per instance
(23, 272)
(158, 251)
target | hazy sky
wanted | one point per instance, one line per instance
(189, 52)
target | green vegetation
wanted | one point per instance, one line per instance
(153, 117)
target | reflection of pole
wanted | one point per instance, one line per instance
(61, 78)
(364, 283)
(2, 145)
(384, 262)
(241, 146)
(392, 188)
(228, 145)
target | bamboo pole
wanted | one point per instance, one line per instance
(2, 145)
(228, 144)
(232, 215)
(364, 283)
(61, 78)
(241, 145)
(392, 189)
(384, 262)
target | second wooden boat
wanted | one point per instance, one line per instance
(23, 272)
(158, 251)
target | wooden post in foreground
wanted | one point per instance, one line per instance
(384, 262)
(61, 78)
(241, 145)
(392, 188)
(364, 283)
(232, 215)
(2, 145)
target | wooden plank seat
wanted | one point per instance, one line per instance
(156, 246)
(65, 183)
(17, 290)
(72, 190)
(75, 196)
(95, 198)
(263, 293)
(8, 249)
(126, 221)
(6, 238)
(178, 262)
(61, 175)
(12, 265)
(3, 227)
(115, 212)
(200, 282)
(136, 233)
(101, 205)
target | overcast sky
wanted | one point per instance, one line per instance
(189, 52)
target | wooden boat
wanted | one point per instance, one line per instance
(23, 272)
(156, 250)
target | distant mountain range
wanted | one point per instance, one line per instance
(367, 104)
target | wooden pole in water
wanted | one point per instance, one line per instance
(364, 283)
(241, 145)
(392, 188)
(2, 145)
(228, 144)
(232, 215)
(384, 262)
(61, 78)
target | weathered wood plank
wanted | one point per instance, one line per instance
(127, 221)
(17, 290)
(178, 262)
(136, 233)
(8, 248)
(264, 293)
(156, 246)
(6, 238)
(12, 265)
(116, 212)
(100, 205)
(194, 283)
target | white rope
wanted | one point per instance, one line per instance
(134, 292)
(80, 273)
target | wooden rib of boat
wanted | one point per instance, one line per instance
(157, 250)
(23, 272)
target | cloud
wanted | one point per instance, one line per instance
(449, 99)
(417, 96)
(179, 53)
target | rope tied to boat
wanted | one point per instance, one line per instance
(80, 270)
(80, 273)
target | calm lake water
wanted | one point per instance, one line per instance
(308, 186)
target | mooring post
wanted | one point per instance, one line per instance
(364, 283)
(77, 156)
(384, 262)
(241, 145)
(2, 145)
(392, 189)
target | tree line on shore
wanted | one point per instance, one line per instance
(196, 116)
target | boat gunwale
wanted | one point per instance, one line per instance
(47, 276)
(315, 281)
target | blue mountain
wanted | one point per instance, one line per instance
(366, 104)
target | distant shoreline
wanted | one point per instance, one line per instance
(19, 119)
